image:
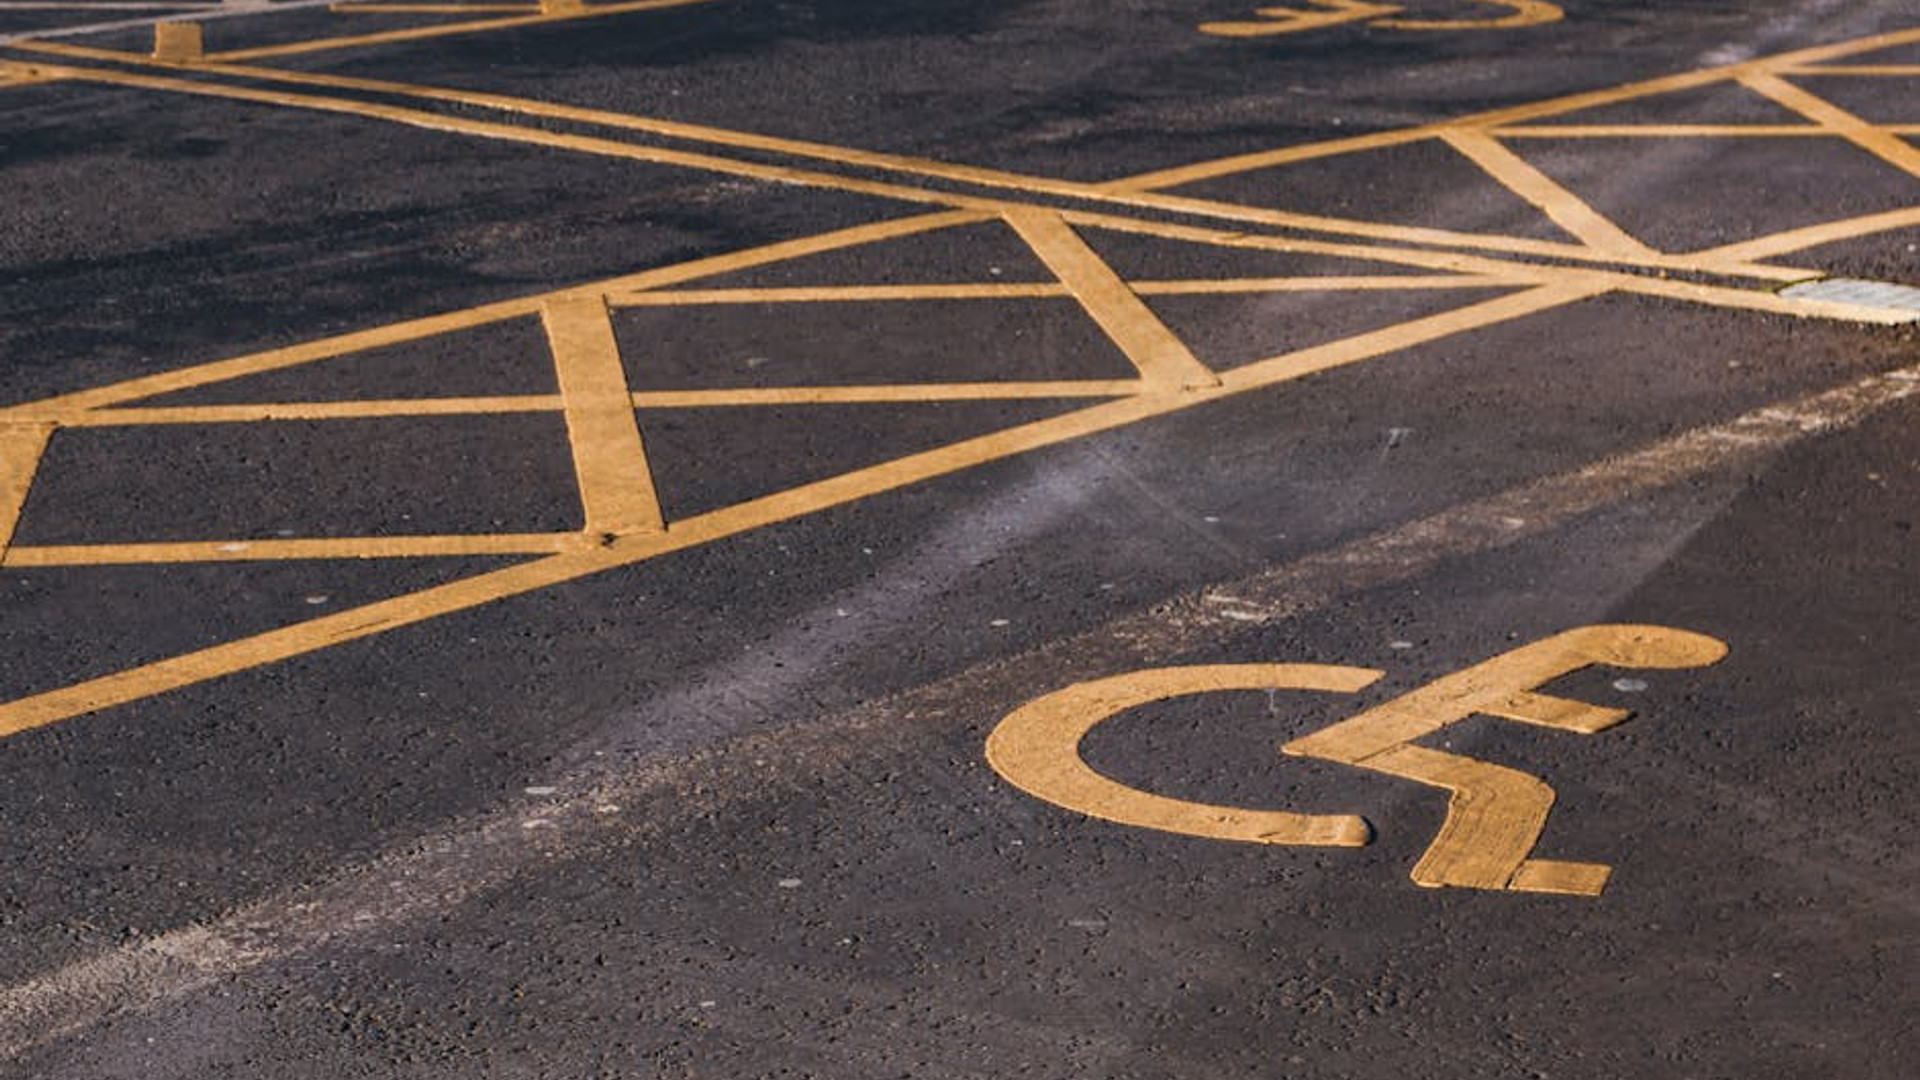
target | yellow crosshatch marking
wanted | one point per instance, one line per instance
(616, 485)
(1495, 815)
(494, 17)
(1325, 13)
(621, 520)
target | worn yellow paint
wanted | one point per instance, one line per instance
(1565, 878)
(377, 8)
(1812, 236)
(1280, 20)
(1594, 281)
(1519, 13)
(916, 167)
(134, 415)
(276, 549)
(91, 5)
(881, 394)
(616, 484)
(135, 683)
(1562, 206)
(1163, 359)
(146, 386)
(125, 416)
(544, 14)
(1491, 686)
(839, 294)
(178, 42)
(162, 676)
(1303, 362)
(1495, 814)
(1328, 283)
(432, 121)
(1139, 191)
(1037, 749)
(1470, 266)
(1038, 290)
(1870, 71)
(12, 74)
(1513, 114)
(21, 447)
(620, 506)
(1660, 131)
(1749, 300)
(1884, 145)
(1125, 194)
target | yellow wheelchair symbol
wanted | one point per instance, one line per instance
(1494, 814)
(1280, 20)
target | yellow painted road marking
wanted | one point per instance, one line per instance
(134, 415)
(124, 416)
(1138, 191)
(1280, 20)
(1520, 13)
(1121, 193)
(431, 121)
(218, 371)
(854, 393)
(264, 550)
(562, 13)
(1163, 359)
(1749, 300)
(1501, 273)
(1495, 815)
(885, 393)
(1871, 71)
(1513, 114)
(1464, 261)
(1812, 236)
(1563, 206)
(1869, 137)
(1037, 749)
(1469, 266)
(810, 294)
(57, 1003)
(178, 43)
(1492, 687)
(1660, 131)
(430, 9)
(1329, 283)
(147, 680)
(1039, 290)
(616, 484)
(92, 5)
(1294, 365)
(367, 620)
(21, 448)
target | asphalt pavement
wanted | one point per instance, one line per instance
(737, 539)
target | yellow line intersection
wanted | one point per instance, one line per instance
(622, 520)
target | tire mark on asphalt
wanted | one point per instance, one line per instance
(432, 873)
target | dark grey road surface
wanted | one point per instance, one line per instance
(725, 812)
